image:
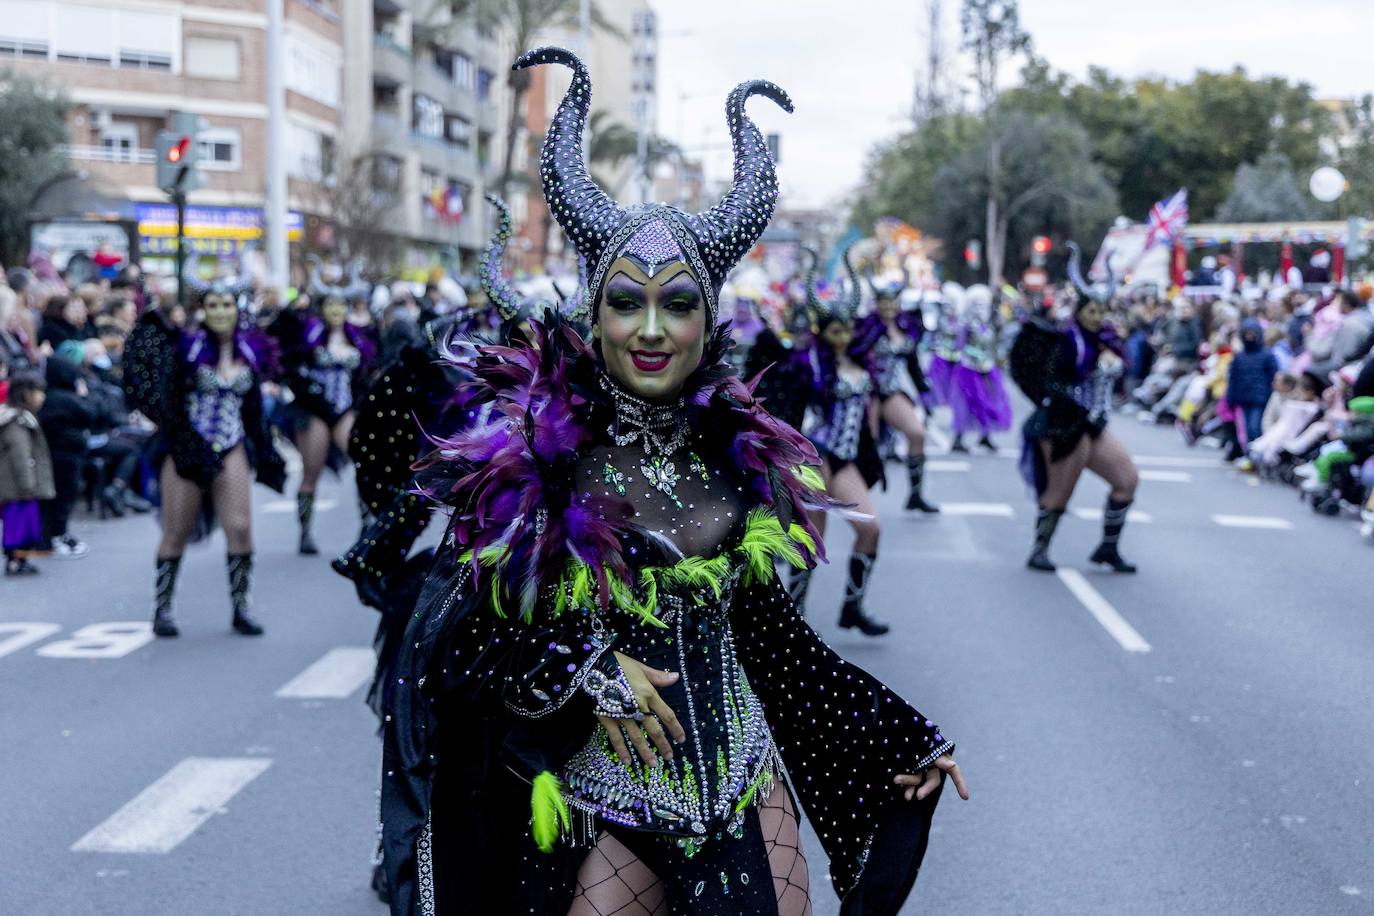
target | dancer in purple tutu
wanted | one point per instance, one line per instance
(883, 340)
(978, 398)
(943, 346)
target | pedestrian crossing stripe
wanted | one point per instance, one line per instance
(1266, 522)
(334, 676)
(1165, 476)
(993, 510)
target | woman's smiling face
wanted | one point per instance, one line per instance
(652, 329)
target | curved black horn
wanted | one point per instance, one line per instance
(813, 302)
(191, 276)
(586, 213)
(730, 228)
(1076, 271)
(494, 283)
(855, 294)
(1111, 279)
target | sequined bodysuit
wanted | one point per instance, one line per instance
(334, 374)
(979, 350)
(845, 411)
(215, 406)
(887, 355)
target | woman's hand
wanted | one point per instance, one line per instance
(922, 784)
(659, 721)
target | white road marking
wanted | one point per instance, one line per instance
(101, 640)
(997, 510)
(289, 505)
(1166, 476)
(948, 467)
(160, 817)
(1136, 517)
(15, 636)
(1268, 522)
(335, 675)
(1173, 461)
(1101, 608)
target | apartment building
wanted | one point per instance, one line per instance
(425, 96)
(127, 64)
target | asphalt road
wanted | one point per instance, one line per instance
(1204, 744)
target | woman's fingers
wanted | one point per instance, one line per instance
(930, 784)
(616, 737)
(658, 678)
(947, 764)
(666, 716)
(641, 743)
(656, 735)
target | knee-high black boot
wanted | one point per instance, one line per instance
(916, 471)
(305, 514)
(165, 582)
(240, 567)
(798, 583)
(855, 588)
(1046, 521)
(1107, 554)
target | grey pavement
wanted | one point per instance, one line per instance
(1227, 770)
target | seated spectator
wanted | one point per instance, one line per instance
(1295, 415)
(64, 318)
(66, 418)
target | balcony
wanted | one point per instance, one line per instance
(390, 61)
(135, 156)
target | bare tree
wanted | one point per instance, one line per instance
(932, 97)
(993, 34)
(357, 196)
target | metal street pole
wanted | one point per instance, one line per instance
(179, 198)
(274, 215)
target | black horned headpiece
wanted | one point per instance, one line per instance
(355, 288)
(886, 288)
(711, 243)
(236, 286)
(498, 292)
(1090, 292)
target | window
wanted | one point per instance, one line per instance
(85, 34)
(386, 174)
(147, 41)
(429, 182)
(24, 29)
(119, 141)
(212, 58)
(428, 117)
(304, 154)
(313, 71)
(221, 149)
(464, 72)
(485, 78)
(460, 131)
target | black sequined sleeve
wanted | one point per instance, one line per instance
(843, 736)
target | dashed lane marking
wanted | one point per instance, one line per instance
(1175, 461)
(335, 675)
(1136, 517)
(1165, 476)
(948, 467)
(1267, 522)
(995, 510)
(160, 817)
(289, 505)
(1111, 620)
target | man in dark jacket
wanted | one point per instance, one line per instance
(1251, 379)
(1185, 336)
(66, 417)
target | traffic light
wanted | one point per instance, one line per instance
(178, 154)
(973, 254)
(1040, 246)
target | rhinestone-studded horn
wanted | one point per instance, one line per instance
(1083, 287)
(494, 284)
(190, 274)
(730, 228)
(586, 213)
(856, 293)
(813, 302)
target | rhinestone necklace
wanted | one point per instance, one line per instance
(660, 428)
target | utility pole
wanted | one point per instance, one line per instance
(178, 155)
(928, 99)
(274, 215)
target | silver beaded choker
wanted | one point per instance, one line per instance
(660, 428)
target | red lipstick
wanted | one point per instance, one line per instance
(650, 360)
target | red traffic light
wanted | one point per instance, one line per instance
(178, 150)
(1041, 244)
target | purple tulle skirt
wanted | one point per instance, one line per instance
(23, 525)
(940, 378)
(979, 402)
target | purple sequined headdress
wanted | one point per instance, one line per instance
(711, 243)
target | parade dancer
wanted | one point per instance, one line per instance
(779, 362)
(844, 395)
(327, 361)
(978, 398)
(1068, 371)
(578, 723)
(943, 346)
(884, 340)
(203, 391)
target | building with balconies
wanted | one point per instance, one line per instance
(126, 65)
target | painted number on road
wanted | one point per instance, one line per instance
(101, 640)
(15, 636)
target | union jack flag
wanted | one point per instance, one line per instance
(1167, 219)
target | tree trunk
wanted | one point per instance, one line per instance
(512, 134)
(996, 221)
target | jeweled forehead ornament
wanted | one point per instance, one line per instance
(710, 243)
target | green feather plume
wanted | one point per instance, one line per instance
(550, 815)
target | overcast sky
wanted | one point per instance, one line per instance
(850, 66)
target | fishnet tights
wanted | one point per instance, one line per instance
(613, 882)
(231, 493)
(1105, 456)
(313, 443)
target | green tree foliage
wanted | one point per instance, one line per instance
(35, 127)
(611, 143)
(1266, 191)
(1357, 159)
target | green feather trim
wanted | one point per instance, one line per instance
(549, 812)
(809, 476)
(763, 540)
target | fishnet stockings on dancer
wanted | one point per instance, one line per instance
(614, 881)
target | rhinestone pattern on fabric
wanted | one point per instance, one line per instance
(215, 407)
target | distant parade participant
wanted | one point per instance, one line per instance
(327, 360)
(884, 340)
(202, 389)
(943, 345)
(605, 701)
(780, 358)
(1068, 371)
(977, 396)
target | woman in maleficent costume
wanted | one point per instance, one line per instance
(203, 390)
(884, 340)
(977, 397)
(327, 360)
(603, 678)
(1068, 371)
(842, 393)
(780, 358)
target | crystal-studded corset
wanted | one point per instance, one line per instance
(729, 749)
(215, 406)
(844, 421)
(978, 353)
(886, 356)
(334, 374)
